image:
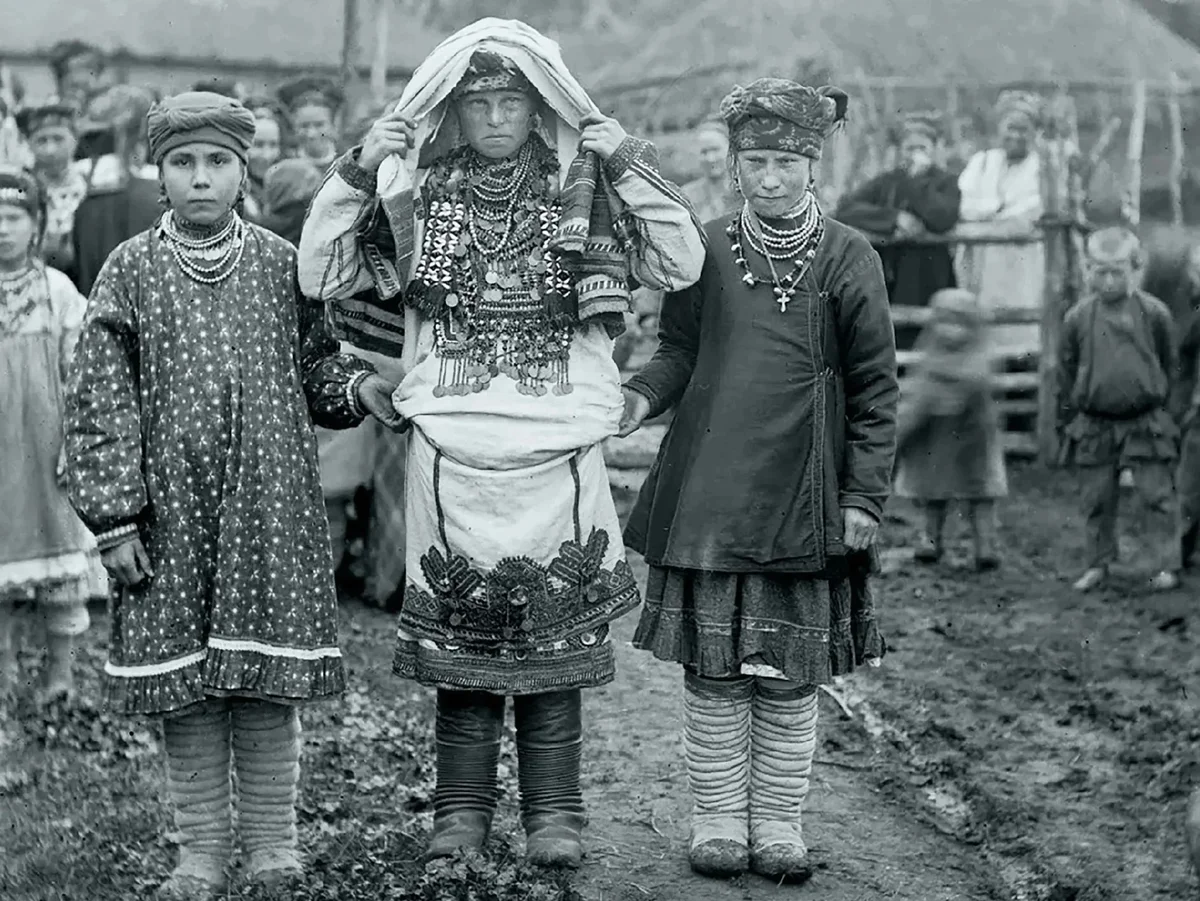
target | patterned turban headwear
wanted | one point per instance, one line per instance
(19, 187)
(924, 122)
(777, 114)
(51, 113)
(199, 116)
(1115, 244)
(491, 71)
(1020, 105)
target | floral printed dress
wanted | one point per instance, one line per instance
(189, 417)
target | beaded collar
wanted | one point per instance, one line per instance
(206, 254)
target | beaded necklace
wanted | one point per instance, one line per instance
(797, 246)
(209, 259)
(17, 296)
(500, 301)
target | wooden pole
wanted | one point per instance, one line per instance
(1057, 154)
(1175, 117)
(1137, 137)
(350, 26)
(379, 59)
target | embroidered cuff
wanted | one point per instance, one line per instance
(355, 175)
(108, 540)
(352, 399)
(631, 150)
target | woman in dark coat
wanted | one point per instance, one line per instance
(917, 198)
(760, 513)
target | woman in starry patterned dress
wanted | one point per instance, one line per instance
(533, 211)
(191, 456)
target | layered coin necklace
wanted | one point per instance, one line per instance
(207, 259)
(500, 300)
(793, 247)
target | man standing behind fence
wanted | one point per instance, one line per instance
(916, 198)
(1001, 186)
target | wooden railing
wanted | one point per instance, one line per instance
(1026, 380)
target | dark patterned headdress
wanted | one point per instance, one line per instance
(925, 122)
(199, 116)
(491, 71)
(312, 90)
(777, 114)
(1019, 104)
(45, 114)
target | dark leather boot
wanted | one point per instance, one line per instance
(468, 750)
(549, 746)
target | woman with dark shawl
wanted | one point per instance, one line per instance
(759, 516)
(190, 454)
(916, 198)
(517, 214)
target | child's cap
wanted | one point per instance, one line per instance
(1114, 245)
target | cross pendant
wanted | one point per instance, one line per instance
(782, 300)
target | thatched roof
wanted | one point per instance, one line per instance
(293, 33)
(966, 40)
(982, 41)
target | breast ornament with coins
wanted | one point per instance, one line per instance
(501, 300)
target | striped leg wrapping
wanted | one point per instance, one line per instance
(266, 745)
(199, 785)
(783, 742)
(717, 750)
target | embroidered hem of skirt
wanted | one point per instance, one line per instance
(530, 673)
(808, 629)
(286, 675)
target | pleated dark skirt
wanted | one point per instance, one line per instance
(810, 629)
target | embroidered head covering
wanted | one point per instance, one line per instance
(50, 113)
(1020, 105)
(198, 116)
(19, 188)
(311, 90)
(923, 122)
(1114, 245)
(777, 114)
(492, 71)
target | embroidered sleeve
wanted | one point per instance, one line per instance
(868, 359)
(330, 378)
(332, 264)
(669, 254)
(103, 443)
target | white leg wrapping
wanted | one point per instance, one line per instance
(199, 784)
(717, 747)
(784, 740)
(266, 747)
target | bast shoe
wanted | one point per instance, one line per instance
(781, 861)
(720, 858)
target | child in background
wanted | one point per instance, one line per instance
(1117, 360)
(948, 437)
(46, 553)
